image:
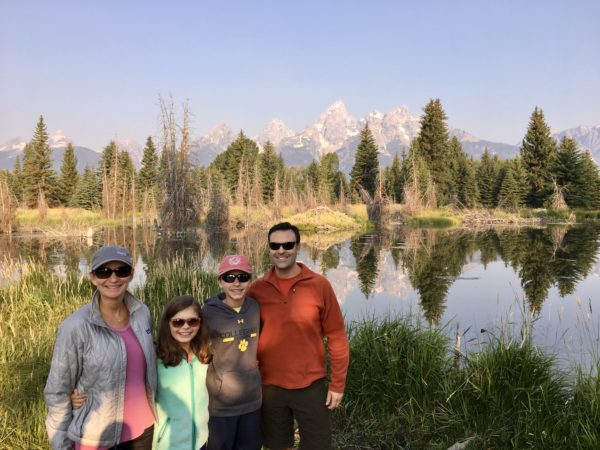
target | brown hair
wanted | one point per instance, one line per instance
(168, 349)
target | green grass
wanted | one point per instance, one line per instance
(434, 218)
(324, 219)
(62, 220)
(405, 388)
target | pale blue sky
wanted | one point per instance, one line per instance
(95, 69)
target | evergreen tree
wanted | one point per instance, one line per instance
(38, 176)
(488, 173)
(107, 160)
(242, 151)
(271, 168)
(394, 183)
(434, 148)
(466, 187)
(16, 180)
(148, 176)
(68, 175)
(366, 164)
(88, 191)
(329, 169)
(586, 189)
(538, 153)
(568, 169)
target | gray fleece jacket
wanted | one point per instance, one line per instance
(233, 380)
(90, 356)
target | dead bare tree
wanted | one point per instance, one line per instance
(179, 206)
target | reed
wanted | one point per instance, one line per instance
(405, 386)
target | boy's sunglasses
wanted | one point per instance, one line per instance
(105, 272)
(285, 245)
(178, 323)
(230, 277)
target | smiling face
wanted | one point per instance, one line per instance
(113, 288)
(284, 260)
(184, 334)
(235, 292)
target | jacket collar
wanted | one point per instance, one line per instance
(95, 314)
(304, 274)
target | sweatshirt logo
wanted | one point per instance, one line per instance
(240, 321)
(243, 346)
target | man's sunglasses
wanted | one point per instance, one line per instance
(105, 272)
(230, 277)
(178, 323)
(285, 245)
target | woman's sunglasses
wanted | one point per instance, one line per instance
(178, 323)
(105, 272)
(285, 245)
(230, 277)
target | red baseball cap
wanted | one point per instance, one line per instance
(235, 262)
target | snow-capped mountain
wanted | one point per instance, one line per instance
(274, 132)
(206, 148)
(588, 137)
(58, 143)
(334, 131)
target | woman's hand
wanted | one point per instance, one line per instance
(77, 399)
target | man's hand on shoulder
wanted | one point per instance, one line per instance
(333, 399)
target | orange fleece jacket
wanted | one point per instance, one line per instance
(291, 352)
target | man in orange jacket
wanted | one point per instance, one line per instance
(298, 310)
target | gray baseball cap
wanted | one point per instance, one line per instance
(111, 253)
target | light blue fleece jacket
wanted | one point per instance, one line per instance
(182, 406)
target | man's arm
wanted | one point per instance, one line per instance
(334, 329)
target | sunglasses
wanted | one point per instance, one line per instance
(178, 323)
(231, 277)
(285, 245)
(105, 272)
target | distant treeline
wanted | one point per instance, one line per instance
(433, 171)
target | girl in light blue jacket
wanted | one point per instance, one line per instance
(183, 351)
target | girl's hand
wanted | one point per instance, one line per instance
(77, 399)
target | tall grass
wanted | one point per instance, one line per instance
(405, 388)
(31, 311)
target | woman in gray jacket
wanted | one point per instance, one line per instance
(104, 350)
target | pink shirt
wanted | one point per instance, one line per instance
(137, 414)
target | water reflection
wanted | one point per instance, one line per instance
(435, 272)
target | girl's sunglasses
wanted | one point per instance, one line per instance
(105, 272)
(178, 323)
(230, 277)
(285, 245)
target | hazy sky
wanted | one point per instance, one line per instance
(95, 69)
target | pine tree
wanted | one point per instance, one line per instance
(488, 173)
(88, 191)
(328, 175)
(230, 161)
(568, 169)
(270, 170)
(434, 148)
(68, 175)
(513, 189)
(394, 183)
(538, 153)
(16, 180)
(366, 164)
(148, 175)
(466, 187)
(38, 176)
(586, 189)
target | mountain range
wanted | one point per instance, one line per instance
(333, 131)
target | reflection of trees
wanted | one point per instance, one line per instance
(365, 252)
(432, 267)
(546, 257)
(330, 258)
